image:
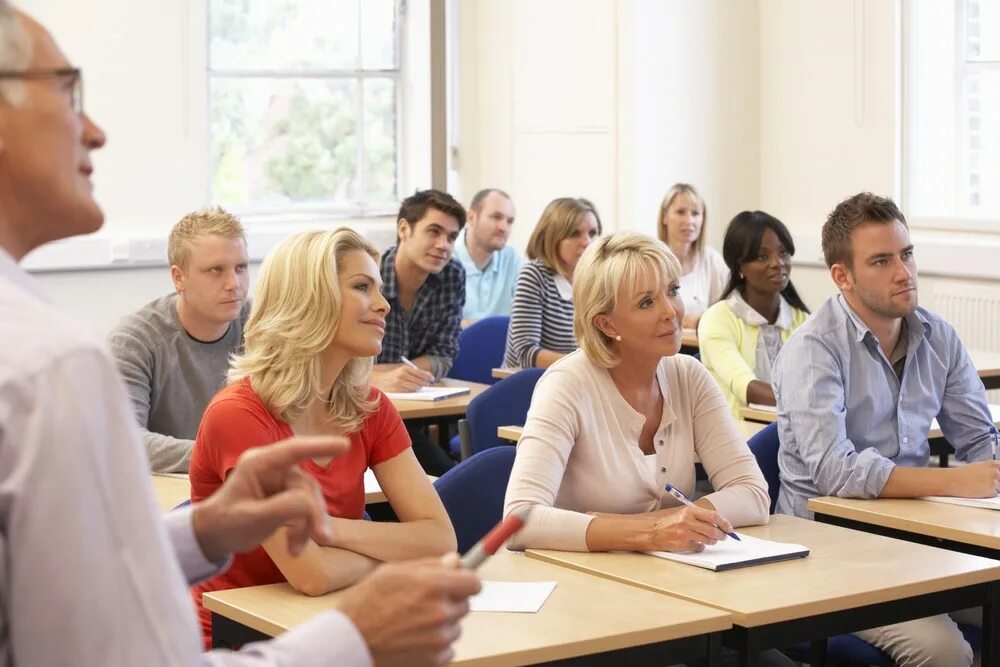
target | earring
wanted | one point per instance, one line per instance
(618, 338)
(741, 275)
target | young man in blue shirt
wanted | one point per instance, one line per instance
(857, 387)
(491, 264)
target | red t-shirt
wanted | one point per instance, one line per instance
(236, 420)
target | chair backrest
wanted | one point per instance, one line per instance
(504, 404)
(480, 350)
(473, 492)
(764, 445)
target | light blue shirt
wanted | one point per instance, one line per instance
(490, 291)
(845, 419)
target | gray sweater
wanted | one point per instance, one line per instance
(171, 377)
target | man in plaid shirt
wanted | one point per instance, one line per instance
(425, 288)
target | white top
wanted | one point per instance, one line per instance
(706, 281)
(579, 452)
(81, 538)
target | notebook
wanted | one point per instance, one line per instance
(763, 408)
(427, 394)
(730, 554)
(525, 597)
(985, 503)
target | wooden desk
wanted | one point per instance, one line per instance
(766, 417)
(627, 626)
(988, 366)
(689, 338)
(501, 373)
(446, 407)
(850, 581)
(170, 490)
(966, 529)
(513, 433)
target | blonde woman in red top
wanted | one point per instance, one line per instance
(317, 322)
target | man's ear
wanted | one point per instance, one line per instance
(841, 276)
(177, 275)
(403, 230)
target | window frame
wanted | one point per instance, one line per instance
(363, 208)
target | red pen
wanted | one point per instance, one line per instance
(500, 533)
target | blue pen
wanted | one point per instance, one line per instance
(679, 495)
(994, 437)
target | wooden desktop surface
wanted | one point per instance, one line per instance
(768, 416)
(513, 433)
(968, 525)
(987, 363)
(689, 338)
(446, 407)
(584, 615)
(845, 569)
(170, 490)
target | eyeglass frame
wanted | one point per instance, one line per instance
(75, 73)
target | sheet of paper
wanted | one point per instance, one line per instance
(985, 503)
(427, 394)
(517, 596)
(763, 408)
(730, 553)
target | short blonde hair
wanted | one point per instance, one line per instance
(610, 263)
(559, 220)
(214, 220)
(295, 314)
(668, 199)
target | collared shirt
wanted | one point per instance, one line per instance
(81, 536)
(431, 327)
(769, 339)
(488, 291)
(845, 419)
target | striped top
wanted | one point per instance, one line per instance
(541, 316)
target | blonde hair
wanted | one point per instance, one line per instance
(16, 51)
(296, 311)
(214, 220)
(610, 263)
(559, 220)
(668, 199)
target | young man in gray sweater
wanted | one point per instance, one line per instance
(173, 353)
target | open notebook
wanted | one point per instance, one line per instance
(730, 554)
(985, 503)
(427, 394)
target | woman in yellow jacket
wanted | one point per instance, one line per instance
(740, 336)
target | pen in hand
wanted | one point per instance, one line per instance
(679, 495)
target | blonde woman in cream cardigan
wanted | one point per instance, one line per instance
(612, 423)
(740, 336)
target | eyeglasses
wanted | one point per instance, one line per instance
(72, 75)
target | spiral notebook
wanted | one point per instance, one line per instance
(730, 554)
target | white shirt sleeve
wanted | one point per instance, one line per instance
(86, 567)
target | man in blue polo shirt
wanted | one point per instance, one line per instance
(491, 265)
(857, 387)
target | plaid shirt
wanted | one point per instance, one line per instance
(432, 326)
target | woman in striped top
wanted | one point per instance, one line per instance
(541, 318)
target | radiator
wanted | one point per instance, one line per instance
(974, 311)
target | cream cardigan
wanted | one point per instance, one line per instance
(579, 452)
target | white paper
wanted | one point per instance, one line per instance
(763, 408)
(427, 394)
(514, 596)
(730, 553)
(994, 415)
(985, 503)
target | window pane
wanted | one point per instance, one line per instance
(983, 145)
(378, 34)
(283, 34)
(380, 140)
(282, 141)
(982, 29)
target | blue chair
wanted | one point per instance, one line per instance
(846, 648)
(472, 493)
(480, 350)
(505, 403)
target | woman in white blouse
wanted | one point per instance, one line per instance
(703, 275)
(611, 424)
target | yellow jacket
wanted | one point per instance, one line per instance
(728, 348)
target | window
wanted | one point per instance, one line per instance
(304, 105)
(952, 110)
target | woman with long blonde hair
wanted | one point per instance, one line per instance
(317, 322)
